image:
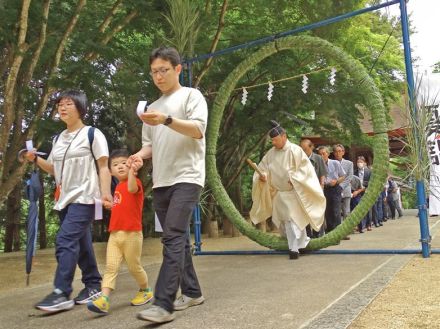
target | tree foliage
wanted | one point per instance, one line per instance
(102, 48)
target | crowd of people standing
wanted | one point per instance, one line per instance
(344, 186)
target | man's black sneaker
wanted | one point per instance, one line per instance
(86, 295)
(55, 302)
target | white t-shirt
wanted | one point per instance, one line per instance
(80, 182)
(178, 158)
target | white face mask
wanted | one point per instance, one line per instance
(360, 165)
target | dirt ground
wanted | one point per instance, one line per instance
(411, 300)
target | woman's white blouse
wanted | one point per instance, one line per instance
(80, 181)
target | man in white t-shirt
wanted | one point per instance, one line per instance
(173, 135)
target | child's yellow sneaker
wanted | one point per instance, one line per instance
(142, 297)
(100, 305)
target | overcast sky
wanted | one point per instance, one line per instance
(425, 16)
(425, 42)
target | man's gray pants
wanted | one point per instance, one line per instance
(174, 206)
(345, 207)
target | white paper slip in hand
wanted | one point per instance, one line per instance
(141, 107)
(29, 145)
(157, 226)
(98, 209)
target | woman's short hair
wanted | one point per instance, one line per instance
(78, 97)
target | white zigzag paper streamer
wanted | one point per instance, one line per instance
(332, 77)
(270, 91)
(244, 96)
(305, 84)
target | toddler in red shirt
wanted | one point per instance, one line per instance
(125, 241)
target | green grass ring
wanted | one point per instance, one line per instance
(373, 103)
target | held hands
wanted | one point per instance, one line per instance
(153, 118)
(135, 163)
(107, 201)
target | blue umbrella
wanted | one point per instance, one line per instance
(33, 192)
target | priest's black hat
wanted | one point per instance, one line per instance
(276, 129)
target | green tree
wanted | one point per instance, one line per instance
(102, 48)
(65, 50)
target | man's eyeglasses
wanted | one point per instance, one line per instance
(161, 72)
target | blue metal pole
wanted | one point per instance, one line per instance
(197, 230)
(182, 78)
(317, 252)
(196, 211)
(291, 32)
(189, 75)
(420, 186)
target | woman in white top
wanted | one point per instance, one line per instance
(76, 155)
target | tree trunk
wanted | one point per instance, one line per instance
(208, 227)
(12, 231)
(213, 229)
(42, 216)
(239, 198)
(227, 227)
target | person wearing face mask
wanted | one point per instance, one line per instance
(364, 174)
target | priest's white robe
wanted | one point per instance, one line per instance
(292, 195)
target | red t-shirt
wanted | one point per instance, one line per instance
(127, 208)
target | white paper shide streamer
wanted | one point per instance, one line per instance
(332, 77)
(270, 91)
(244, 96)
(305, 84)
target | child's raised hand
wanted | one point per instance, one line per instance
(132, 171)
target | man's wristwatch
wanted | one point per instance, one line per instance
(168, 120)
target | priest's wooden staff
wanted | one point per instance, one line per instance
(254, 166)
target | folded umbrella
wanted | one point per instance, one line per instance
(33, 192)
